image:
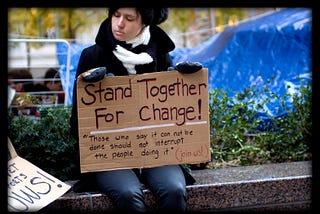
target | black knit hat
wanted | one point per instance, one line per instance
(149, 16)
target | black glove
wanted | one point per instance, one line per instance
(97, 74)
(187, 67)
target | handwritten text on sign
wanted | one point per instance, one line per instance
(30, 188)
(144, 120)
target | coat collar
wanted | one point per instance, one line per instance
(105, 38)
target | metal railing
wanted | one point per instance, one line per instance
(40, 58)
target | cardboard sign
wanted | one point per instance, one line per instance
(145, 120)
(29, 187)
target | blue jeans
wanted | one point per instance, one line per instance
(167, 183)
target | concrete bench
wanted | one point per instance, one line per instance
(268, 187)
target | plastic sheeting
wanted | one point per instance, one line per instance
(75, 52)
(276, 46)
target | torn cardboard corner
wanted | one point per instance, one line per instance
(30, 188)
(145, 120)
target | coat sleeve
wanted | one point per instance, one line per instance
(164, 62)
(88, 59)
(91, 57)
(84, 64)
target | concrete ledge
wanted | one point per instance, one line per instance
(269, 187)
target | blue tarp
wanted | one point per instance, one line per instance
(75, 51)
(276, 46)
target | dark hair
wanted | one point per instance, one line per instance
(20, 73)
(149, 16)
(52, 73)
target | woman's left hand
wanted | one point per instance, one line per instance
(187, 67)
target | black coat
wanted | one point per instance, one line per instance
(100, 55)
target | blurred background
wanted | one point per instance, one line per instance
(188, 27)
(259, 80)
(239, 46)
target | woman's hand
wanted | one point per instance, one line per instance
(187, 67)
(94, 74)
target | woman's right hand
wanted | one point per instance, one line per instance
(93, 75)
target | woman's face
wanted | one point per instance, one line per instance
(126, 24)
